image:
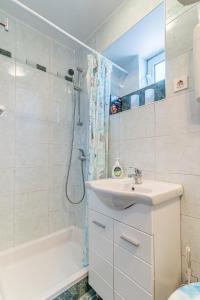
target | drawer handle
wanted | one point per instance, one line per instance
(130, 240)
(99, 224)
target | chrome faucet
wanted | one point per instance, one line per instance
(137, 175)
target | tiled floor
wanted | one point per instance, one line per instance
(90, 295)
(80, 291)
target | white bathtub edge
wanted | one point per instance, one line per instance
(66, 284)
(37, 241)
(10, 256)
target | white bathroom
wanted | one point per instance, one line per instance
(100, 150)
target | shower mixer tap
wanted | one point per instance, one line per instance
(82, 155)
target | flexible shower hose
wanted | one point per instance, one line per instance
(70, 159)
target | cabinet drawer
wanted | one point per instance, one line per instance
(129, 289)
(136, 269)
(134, 241)
(101, 267)
(100, 286)
(101, 235)
(101, 224)
(138, 216)
(101, 245)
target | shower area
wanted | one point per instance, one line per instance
(54, 100)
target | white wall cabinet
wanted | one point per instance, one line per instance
(134, 254)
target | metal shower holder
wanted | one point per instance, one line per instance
(5, 24)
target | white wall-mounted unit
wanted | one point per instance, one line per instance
(134, 253)
(188, 2)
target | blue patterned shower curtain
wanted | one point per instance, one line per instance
(99, 89)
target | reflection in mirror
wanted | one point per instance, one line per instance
(141, 52)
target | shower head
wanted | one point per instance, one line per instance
(188, 2)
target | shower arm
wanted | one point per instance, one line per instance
(5, 25)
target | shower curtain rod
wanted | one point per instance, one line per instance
(31, 11)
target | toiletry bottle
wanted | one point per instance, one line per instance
(117, 171)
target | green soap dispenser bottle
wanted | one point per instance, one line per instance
(117, 170)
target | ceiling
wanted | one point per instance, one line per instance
(78, 17)
(146, 39)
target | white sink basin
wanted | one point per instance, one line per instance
(118, 193)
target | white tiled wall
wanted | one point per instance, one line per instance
(35, 135)
(163, 139)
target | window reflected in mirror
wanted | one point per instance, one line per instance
(141, 52)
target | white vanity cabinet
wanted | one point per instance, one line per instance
(134, 254)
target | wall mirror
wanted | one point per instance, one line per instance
(141, 52)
